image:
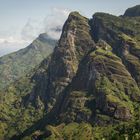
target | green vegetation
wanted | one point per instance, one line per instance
(15, 117)
(120, 24)
(71, 131)
(114, 87)
(84, 131)
(123, 34)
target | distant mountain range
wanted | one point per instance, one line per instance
(18, 64)
(87, 88)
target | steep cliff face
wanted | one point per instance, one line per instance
(102, 85)
(74, 44)
(123, 35)
(84, 81)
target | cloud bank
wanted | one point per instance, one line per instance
(52, 24)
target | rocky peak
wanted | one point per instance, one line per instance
(106, 88)
(120, 34)
(74, 44)
(45, 37)
(77, 58)
(75, 15)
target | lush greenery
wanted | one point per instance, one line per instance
(84, 131)
(15, 115)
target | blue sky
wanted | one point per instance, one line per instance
(22, 20)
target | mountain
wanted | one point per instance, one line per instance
(17, 64)
(133, 11)
(88, 88)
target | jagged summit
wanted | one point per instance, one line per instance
(45, 37)
(74, 44)
(75, 13)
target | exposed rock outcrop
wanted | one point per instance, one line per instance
(84, 80)
(102, 83)
(74, 44)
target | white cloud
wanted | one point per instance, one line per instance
(19, 38)
(8, 47)
(50, 24)
(31, 29)
(54, 21)
(10, 44)
(11, 39)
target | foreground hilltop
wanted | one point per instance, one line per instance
(88, 88)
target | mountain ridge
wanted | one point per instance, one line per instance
(133, 11)
(90, 84)
(14, 65)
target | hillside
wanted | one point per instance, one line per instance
(17, 64)
(133, 11)
(88, 88)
